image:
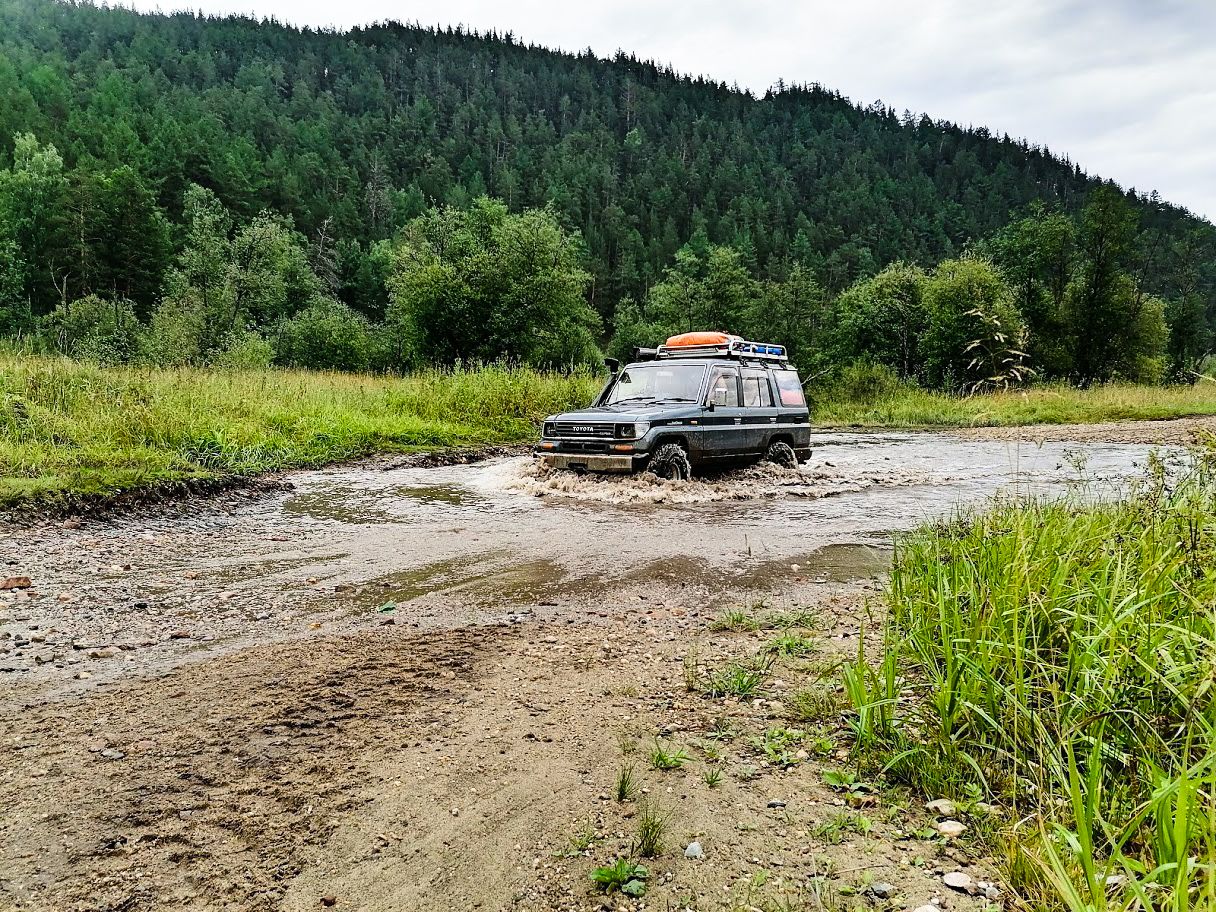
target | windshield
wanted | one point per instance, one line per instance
(660, 382)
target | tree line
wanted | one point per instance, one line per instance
(354, 134)
(1048, 295)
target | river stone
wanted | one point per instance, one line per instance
(957, 880)
(694, 850)
(943, 807)
(951, 828)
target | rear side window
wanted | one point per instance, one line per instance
(724, 387)
(756, 391)
(790, 388)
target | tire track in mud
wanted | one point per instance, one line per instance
(212, 786)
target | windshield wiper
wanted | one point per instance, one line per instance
(629, 399)
(677, 399)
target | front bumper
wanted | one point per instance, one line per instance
(589, 462)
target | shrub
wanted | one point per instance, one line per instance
(327, 335)
(96, 329)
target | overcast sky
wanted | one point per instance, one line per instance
(1126, 88)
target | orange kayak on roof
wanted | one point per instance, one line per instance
(700, 338)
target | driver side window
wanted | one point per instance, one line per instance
(723, 388)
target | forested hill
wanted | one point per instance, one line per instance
(352, 134)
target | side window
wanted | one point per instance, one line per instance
(723, 388)
(790, 388)
(756, 391)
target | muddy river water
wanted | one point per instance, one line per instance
(488, 541)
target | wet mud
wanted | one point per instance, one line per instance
(408, 685)
(431, 545)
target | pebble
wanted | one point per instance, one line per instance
(951, 828)
(882, 890)
(111, 753)
(694, 850)
(927, 908)
(776, 803)
(957, 880)
(943, 807)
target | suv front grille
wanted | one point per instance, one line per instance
(575, 429)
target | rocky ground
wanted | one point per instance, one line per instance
(284, 701)
(473, 767)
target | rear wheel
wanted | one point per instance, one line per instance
(783, 454)
(670, 462)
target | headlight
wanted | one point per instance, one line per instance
(632, 431)
(550, 429)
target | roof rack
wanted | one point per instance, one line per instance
(734, 347)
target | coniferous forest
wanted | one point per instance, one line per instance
(180, 189)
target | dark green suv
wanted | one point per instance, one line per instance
(680, 407)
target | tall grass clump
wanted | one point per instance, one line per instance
(1061, 659)
(69, 428)
(870, 396)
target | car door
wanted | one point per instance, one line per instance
(722, 417)
(760, 410)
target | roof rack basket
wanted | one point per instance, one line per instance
(733, 347)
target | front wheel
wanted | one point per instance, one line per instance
(782, 454)
(670, 463)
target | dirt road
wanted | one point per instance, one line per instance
(407, 688)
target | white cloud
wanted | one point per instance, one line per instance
(1124, 88)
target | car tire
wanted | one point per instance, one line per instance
(782, 454)
(670, 463)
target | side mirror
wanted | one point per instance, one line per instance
(717, 397)
(612, 364)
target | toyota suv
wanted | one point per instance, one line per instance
(699, 401)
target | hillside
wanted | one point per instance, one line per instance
(352, 134)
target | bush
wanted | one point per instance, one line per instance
(328, 335)
(245, 351)
(864, 383)
(96, 329)
(174, 334)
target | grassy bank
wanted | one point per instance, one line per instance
(72, 428)
(1058, 661)
(69, 428)
(887, 404)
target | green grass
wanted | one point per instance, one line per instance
(652, 830)
(737, 679)
(69, 428)
(663, 758)
(1060, 659)
(626, 785)
(902, 405)
(840, 824)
